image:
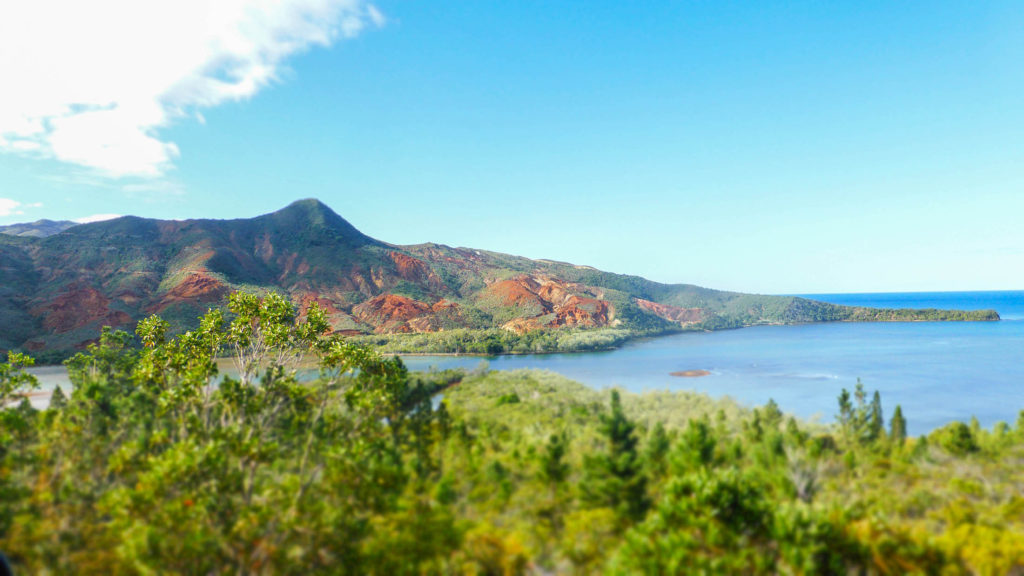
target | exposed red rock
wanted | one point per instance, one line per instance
(443, 305)
(196, 287)
(517, 291)
(390, 312)
(340, 322)
(673, 313)
(409, 268)
(583, 312)
(550, 303)
(557, 293)
(77, 308)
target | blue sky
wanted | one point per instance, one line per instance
(776, 148)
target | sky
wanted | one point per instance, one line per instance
(796, 147)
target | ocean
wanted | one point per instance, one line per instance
(936, 371)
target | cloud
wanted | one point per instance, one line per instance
(93, 83)
(96, 218)
(10, 207)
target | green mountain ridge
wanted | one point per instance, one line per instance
(57, 291)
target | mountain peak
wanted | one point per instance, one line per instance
(309, 208)
(310, 214)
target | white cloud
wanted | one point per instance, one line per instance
(96, 218)
(10, 207)
(92, 83)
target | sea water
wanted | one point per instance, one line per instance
(936, 371)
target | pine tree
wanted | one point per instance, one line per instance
(58, 400)
(845, 416)
(553, 467)
(696, 447)
(898, 426)
(772, 415)
(615, 479)
(876, 419)
(656, 449)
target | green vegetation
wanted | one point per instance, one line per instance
(156, 464)
(498, 341)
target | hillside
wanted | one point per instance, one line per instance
(56, 292)
(37, 229)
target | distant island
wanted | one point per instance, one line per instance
(60, 283)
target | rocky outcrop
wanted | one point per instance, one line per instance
(583, 313)
(389, 313)
(197, 287)
(544, 302)
(682, 316)
(388, 308)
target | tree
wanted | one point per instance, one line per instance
(615, 479)
(898, 426)
(553, 467)
(957, 438)
(696, 448)
(876, 420)
(860, 422)
(772, 415)
(655, 450)
(845, 416)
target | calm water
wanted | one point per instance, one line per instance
(938, 372)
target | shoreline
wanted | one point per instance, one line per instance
(671, 332)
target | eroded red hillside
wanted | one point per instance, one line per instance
(546, 302)
(409, 268)
(79, 307)
(583, 312)
(390, 312)
(196, 287)
(517, 291)
(673, 313)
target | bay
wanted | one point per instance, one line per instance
(937, 371)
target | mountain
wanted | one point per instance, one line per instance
(57, 291)
(37, 229)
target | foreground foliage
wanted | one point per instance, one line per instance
(159, 464)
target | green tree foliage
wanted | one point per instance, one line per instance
(168, 465)
(898, 426)
(615, 478)
(876, 419)
(255, 444)
(859, 421)
(957, 438)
